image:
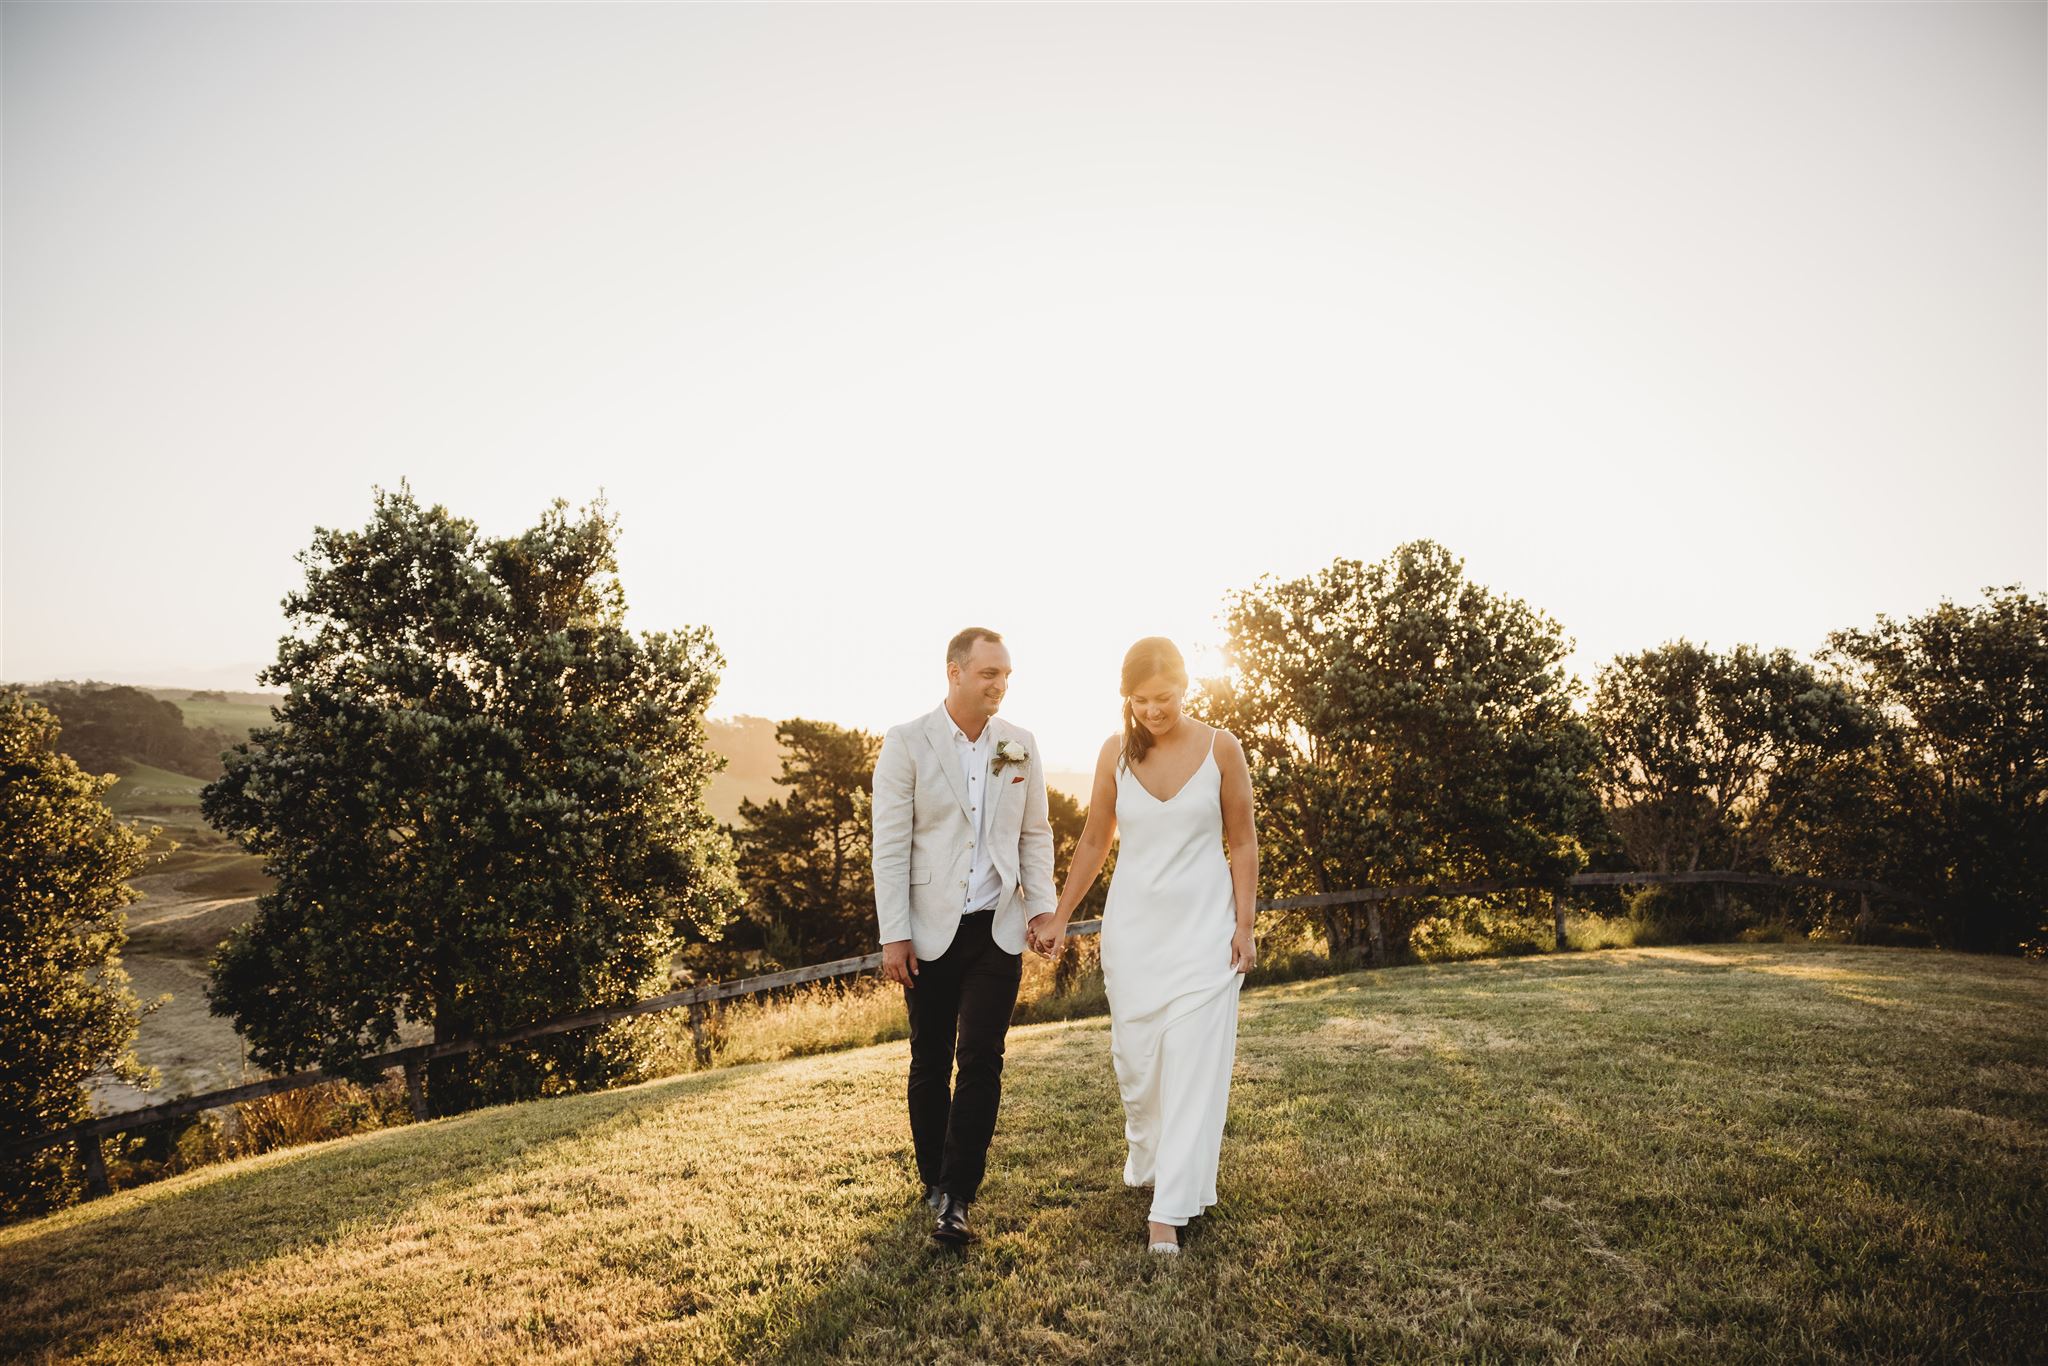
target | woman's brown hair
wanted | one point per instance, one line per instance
(1153, 657)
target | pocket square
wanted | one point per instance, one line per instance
(1018, 779)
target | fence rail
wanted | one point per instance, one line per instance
(87, 1134)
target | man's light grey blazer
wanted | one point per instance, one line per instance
(923, 832)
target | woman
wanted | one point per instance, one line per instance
(1176, 930)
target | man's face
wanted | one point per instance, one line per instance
(978, 688)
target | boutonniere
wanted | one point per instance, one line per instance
(1008, 752)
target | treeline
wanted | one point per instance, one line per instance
(105, 726)
(1406, 725)
(481, 799)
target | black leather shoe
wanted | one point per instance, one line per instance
(935, 1197)
(952, 1227)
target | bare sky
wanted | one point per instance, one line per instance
(1717, 321)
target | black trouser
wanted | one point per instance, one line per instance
(961, 998)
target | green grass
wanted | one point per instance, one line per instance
(145, 789)
(1743, 1152)
(238, 715)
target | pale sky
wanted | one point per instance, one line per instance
(1727, 322)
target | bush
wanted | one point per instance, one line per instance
(310, 1114)
(1679, 913)
(1585, 933)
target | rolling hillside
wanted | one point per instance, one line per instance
(1735, 1152)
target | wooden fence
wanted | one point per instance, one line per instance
(700, 1000)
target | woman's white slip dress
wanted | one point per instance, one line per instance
(1166, 930)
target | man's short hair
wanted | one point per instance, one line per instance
(959, 647)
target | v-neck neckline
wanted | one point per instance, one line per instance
(1186, 783)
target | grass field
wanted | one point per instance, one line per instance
(145, 790)
(1730, 1153)
(237, 713)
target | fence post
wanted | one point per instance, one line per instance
(95, 1166)
(1557, 911)
(702, 1045)
(1862, 929)
(413, 1088)
(1379, 943)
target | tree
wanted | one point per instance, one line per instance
(481, 801)
(1403, 725)
(1954, 790)
(66, 1010)
(1704, 756)
(1068, 819)
(804, 858)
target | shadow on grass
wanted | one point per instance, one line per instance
(175, 1235)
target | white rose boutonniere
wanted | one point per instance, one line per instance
(1008, 752)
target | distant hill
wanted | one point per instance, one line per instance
(105, 726)
(165, 743)
(752, 761)
(233, 712)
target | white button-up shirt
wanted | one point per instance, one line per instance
(984, 884)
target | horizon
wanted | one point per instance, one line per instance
(1056, 762)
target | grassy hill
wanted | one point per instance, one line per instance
(156, 796)
(1731, 1152)
(232, 711)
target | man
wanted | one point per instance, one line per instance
(961, 845)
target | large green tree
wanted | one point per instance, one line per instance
(66, 1010)
(804, 857)
(481, 800)
(1704, 755)
(1404, 724)
(1951, 800)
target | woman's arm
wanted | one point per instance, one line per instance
(1241, 836)
(1093, 846)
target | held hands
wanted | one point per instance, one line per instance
(1243, 949)
(1044, 933)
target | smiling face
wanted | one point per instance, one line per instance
(1156, 704)
(977, 688)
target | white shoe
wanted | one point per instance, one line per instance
(1173, 1248)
